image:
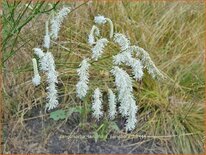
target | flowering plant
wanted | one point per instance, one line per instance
(123, 81)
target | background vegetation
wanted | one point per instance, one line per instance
(171, 112)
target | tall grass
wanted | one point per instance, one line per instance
(171, 112)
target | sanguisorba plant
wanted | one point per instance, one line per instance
(124, 83)
(46, 59)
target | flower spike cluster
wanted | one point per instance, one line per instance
(123, 82)
(47, 65)
(125, 56)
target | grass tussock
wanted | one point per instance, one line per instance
(171, 112)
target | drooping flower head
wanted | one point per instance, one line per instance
(56, 22)
(94, 32)
(125, 96)
(100, 19)
(126, 58)
(148, 63)
(47, 65)
(122, 41)
(97, 50)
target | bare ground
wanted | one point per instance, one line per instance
(44, 135)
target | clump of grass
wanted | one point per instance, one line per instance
(171, 114)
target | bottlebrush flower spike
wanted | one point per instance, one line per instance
(112, 104)
(57, 21)
(52, 97)
(38, 52)
(97, 50)
(82, 85)
(36, 80)
(122, 41)
(100, 19)
(97, 104)
(47, 65)
(148, 63)
(131, 119)
(125, 96)
(47, 36)
(127, 59)
(94, 32)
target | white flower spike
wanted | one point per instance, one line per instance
(83, 72)
(127, 59)
(57, 21)
(102, 20)
(47, 65)
(38, 52)
(97, 50)
(97, 104)
(112, 104)
(94, 32)
(36, 80)
(148, 63)
(47, 36)
(122, 41)
(125, 96)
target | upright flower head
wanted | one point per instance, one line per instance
(57, 21)
(47, 36)
(112, 104)
(82, 86)
(36, 80)
(97, 104)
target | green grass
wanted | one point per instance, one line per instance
(170, 111)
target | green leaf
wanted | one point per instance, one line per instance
(96, 136)
(114, 126)
(58, 114)
(63, 114)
